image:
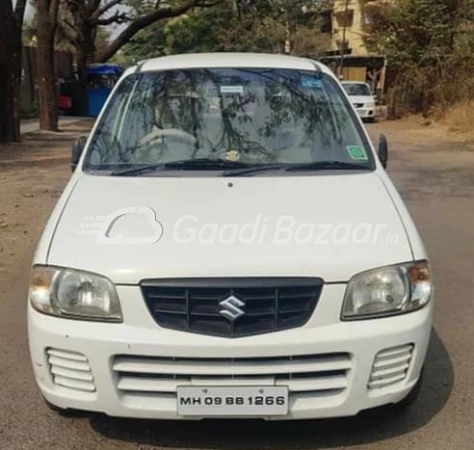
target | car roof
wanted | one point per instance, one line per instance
(353, 82)
(223, 60)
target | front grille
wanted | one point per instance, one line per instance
(358, 105)
(70, 370)
(253, 305)
(390, 366)
(323, 374)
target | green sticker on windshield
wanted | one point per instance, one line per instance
(356, 152)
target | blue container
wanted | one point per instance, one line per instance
(101, 79)
(97, 98)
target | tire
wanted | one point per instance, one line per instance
(412, 396)
(64, 412)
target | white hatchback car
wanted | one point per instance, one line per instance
(229, 245)
(361, 98)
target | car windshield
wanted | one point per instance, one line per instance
(224, 119)
(356, 89)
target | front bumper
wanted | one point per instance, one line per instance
(107, 347)
(366, 113)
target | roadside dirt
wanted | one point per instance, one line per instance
(32, 177)
(42, 147)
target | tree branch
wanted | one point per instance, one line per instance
(19, 11)
(67, 33)
(53, 12)
(140, 23)
(69, 24)
(204, 4)
(100, 11)
(116, 18)
(92, 5)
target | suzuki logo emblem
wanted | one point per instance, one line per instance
(231, 308)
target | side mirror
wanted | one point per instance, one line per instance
(77, 149)
(383, 150)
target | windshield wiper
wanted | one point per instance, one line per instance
(185, 164)
(235, 168)
(325, 165)
(300, 167)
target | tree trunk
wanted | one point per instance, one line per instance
(48, 98)
(7, 121)
(83, 40)
(10, 70)
(82, 95)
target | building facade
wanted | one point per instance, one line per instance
(349, 55)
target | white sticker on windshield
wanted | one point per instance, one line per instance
(232, 89)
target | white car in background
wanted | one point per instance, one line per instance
(320, 307)
(361, 98)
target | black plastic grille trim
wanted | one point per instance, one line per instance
(271, 304)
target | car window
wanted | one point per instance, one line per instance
(254, 116)
(356, 89)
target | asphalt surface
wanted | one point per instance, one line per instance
(436, 177)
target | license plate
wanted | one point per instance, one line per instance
(232, 400)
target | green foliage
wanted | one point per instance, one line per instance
(31, 111)
(430, 46)
(196, 32)
(259, 26)
(150, 42)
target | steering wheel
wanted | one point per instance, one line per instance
(157, 134)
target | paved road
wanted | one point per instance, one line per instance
(436, 177)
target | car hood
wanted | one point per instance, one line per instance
(361, 98)
(135, 228)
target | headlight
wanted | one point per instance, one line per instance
(370, 105)
(73, 293)
(388, 291)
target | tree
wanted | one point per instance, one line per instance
(61, 42)
(429, 45)
(86, 17)
(259, 26)
(83, 22)
(147, 43)
(11, 21)
(47, 11)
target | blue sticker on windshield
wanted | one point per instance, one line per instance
(311, 82)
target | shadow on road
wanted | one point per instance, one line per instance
(367, 427)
